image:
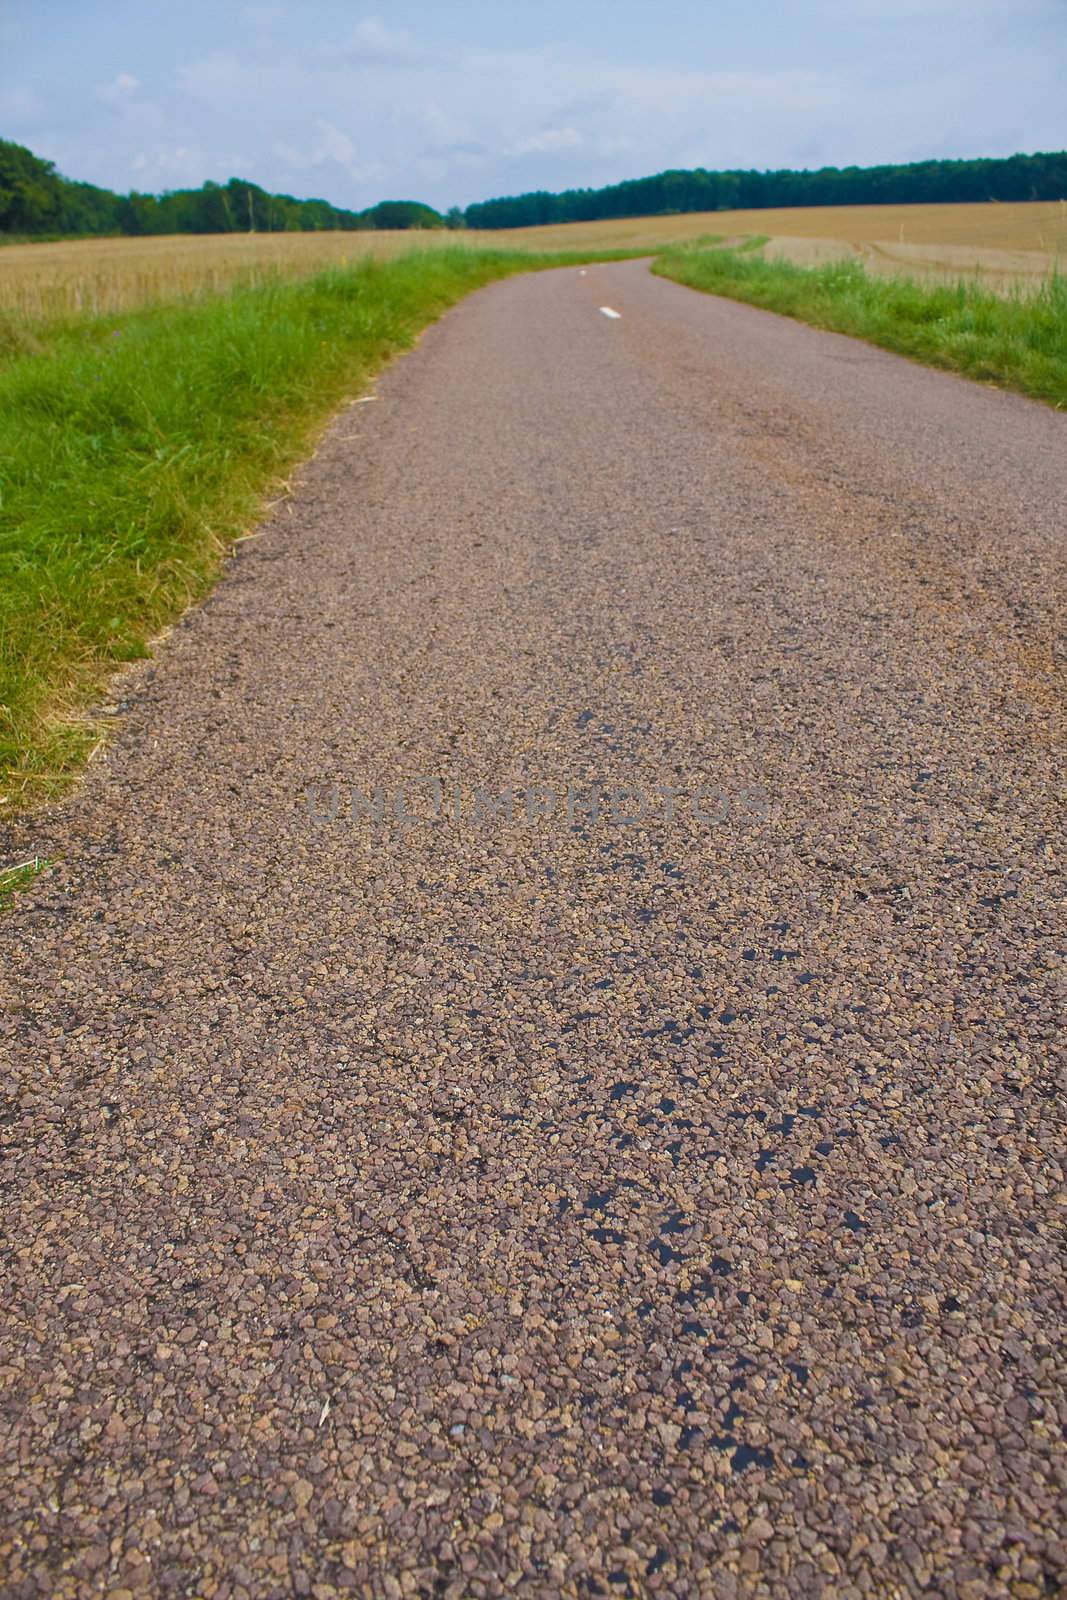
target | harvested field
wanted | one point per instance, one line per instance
(1036, 225)
(1003, 271)
(1005, 243)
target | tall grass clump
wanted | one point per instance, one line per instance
(134, 447)
(1018, 341)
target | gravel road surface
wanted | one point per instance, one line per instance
(665, 1198)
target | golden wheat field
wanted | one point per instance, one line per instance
(73, 276)
(1006, 244)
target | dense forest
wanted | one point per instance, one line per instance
(1036, 177)
(34, 198)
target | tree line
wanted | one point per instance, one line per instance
(35, 199)
(1021, 177)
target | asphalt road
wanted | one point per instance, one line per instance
(661, 1200)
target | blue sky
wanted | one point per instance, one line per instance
(453, 102)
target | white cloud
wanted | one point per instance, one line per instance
(469, 108)
(381, 111)
(551, 139)
(332, 149)
(179, 166)
(185, 166)
(120, 90)
(139, 118)
(372, 43)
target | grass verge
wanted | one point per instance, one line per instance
(1019, 342)
(134, 448)
(12, 879)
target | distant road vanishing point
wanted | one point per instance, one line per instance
(538, 1070)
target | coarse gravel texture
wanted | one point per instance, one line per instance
(565, 1205)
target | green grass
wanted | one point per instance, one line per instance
(133, 449)
(12, 879)
(1019, 341)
